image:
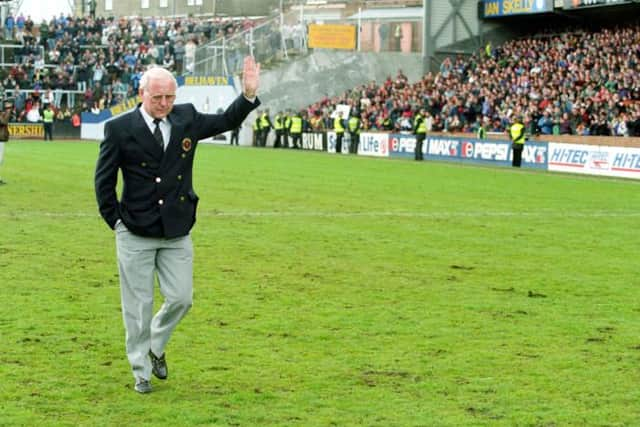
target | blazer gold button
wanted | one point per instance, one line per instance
(160, 202)
(182, 198)
(143, 164)
(179, 177)
(158, 179)
(184, 155)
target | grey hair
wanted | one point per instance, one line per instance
(153, 73)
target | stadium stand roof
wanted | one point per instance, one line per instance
(390, 14)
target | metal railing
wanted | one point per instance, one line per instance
(70, 96)
(286, 34)
(274, 39)
(9, 53)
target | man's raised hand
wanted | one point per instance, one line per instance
(250, 77)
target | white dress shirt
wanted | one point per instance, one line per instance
(165, 126)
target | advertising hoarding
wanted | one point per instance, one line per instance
(313, 141)
(331, 142)
(374, 144)
(332, 36)
(595, 160)
(485, 151)
(580, 4)
(502, 8)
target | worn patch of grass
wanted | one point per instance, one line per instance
(331, 291)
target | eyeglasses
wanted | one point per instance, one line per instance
(156, 99)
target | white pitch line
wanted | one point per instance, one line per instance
(371, 214)
(471, 214)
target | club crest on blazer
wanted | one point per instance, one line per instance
(186, 144)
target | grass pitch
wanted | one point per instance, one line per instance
(331, 291)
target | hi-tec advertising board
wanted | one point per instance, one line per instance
(595, 160)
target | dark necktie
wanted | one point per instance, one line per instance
(157, 133)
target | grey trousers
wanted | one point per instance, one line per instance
(139, 260)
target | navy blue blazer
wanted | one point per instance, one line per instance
(157, 196)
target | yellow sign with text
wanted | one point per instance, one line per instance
(207, 81)
(332, 36)
(126, 105)
(26, 131)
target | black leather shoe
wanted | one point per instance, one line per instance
(159, 366)
(143, 386)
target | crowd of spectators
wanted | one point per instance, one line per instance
(576, 82)
(89, 64)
